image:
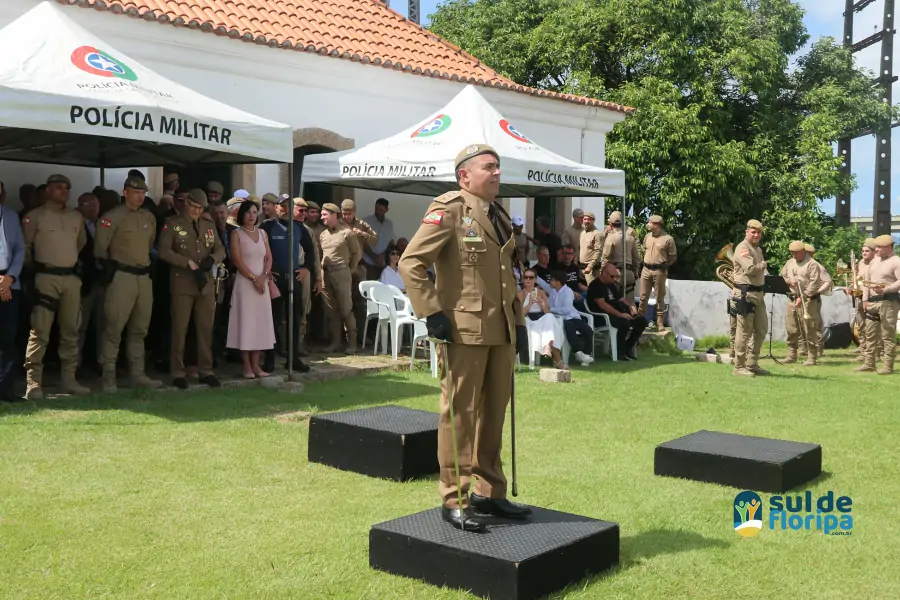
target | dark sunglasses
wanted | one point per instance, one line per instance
(395, 253)
(529, 277)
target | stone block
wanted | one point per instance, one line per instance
(556, 376)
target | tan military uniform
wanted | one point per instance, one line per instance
(660, 253)
(126, 237)
(341, 255)
(572, 237)
(54, 235)
(863, 269)
(630, 257)
(881, 311)
(749, 278)
(591, 245)
(180, 241)
(476, 289)
(804, 334)
(366, 237)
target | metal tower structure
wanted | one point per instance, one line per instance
(882, 200)
(414, 11)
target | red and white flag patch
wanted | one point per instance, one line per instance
(26, 220)
(433, 218)
(105, 223)
(745, 253)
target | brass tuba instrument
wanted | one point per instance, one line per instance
(725, 271)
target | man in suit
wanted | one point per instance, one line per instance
(92, 295)
(12, 258)
(473, 304)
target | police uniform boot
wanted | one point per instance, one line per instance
(139, 378)
(110, 386)
(33, 391)
(757, 370)
(888, 366)
(810, 360)
(336, 332)
(301, 349)
(70, 385)
(351, 334)
(791, 357)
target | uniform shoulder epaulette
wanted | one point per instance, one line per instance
(449, 196)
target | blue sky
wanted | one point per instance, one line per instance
(823, 18)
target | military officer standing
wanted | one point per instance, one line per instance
(572, 235)
(54, 235)
(826, 288)
(882, 305)
(628, 258)
(591, 244)
(367, 239)
(123, 244)
(189, 243)
(341, 253)
(467, 237)
(750, 304)
(803, 318)
(862, 274)
(660, 253)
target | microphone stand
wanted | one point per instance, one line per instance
(771, 328)
(774, 285)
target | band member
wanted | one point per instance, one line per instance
(882, 299)
(825, 289)
(803, 317)
(123, 244)
(659, 254)
(189, 243)
(752, 322)
(862, 274)
(468, 239)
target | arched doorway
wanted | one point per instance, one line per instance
(308, 141)
(316, 192)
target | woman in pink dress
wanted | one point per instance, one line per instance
(250, 327)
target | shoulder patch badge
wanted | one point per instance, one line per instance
(26, 220)
(433, 218)
(105, 223)
(165, 226)
(745, 253)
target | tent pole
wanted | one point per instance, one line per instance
(624, 249)
(102, 177)
(290, 328)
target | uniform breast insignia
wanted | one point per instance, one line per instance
(105, 223)
(182, 233)
(473, 257)
(471, 233)
(467, 221)
(433, 218)
(178, 228)
(26, 220)
(209, 238)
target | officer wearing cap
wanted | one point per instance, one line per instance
(341, 255)
(626, 259)
(190, 245)
(472, 304)
(170, 184)
(660, 254)
(368, 239)
(862, 274)
(882, 297)
(315, 317)
(270, 206)
(54, 235)
(123, 243)
(316, 283)
(749, 301)
(572, 235)
(591, 244)
(803, 317)
(214, 192)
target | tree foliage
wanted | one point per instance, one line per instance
(732, 122)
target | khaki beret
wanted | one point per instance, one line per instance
(331, 207)
(214, 187)
(577, 213)
(300, 202)
(471, 152)
(234, 201)
(254, 199)
(809, 247)
(270, 197)
(313, 205)
(656, 219)
(198, 196)
(348, 204)
(869, 243)
(57, 178)
(796, 246)
(171, 178)
(615, 217)
(884, 240)
(754, 224)
(589, 215)
(136, 183)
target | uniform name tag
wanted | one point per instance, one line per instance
(476, 238)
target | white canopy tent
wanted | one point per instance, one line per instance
(419, 160)
(67, 97)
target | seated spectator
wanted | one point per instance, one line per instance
(574, 275)
(605, 295)
(578, 333)
(390, 275)
(402, 243)
(541, 323)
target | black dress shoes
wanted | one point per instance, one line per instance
(180, 382)
(211, 380)
(464, 519)
(498, 507)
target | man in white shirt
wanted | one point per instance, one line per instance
(562, 299)
(384, 227)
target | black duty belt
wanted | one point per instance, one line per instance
(133, 270)
(42, 268)
(895, 297)
(659, 267)
(746, 287)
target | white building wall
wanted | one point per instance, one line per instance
(356, 101)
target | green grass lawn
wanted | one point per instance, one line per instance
(209, 495)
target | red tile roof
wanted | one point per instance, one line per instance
(364, 31)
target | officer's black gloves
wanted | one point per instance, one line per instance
(207, 263)
(521, 340)
(439, 326)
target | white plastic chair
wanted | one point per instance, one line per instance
(365, 288)
(395, 313)
(606, 329)
(420, 333)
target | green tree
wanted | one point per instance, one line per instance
(726, 127)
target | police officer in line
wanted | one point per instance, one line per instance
(660, 253)
(367, 238)
(190, 245)
(314, 320)
(590, 242)
(749, 299)
(54, 236)
(341, 254)
(626, 259)
(123, 243)
(305, 271)
(214, 192)
(882, 299)
(473, 305)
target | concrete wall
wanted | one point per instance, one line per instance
(697, 309)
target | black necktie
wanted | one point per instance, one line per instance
(495, 219)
